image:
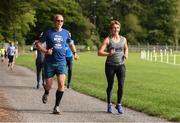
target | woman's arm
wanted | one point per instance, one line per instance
(101, 51)
(126, 49)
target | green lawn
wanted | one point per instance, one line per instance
(150, 87)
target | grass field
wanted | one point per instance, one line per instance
(150, 87)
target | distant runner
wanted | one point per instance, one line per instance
(11, 51)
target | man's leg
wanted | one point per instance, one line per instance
(59, 93)
(47, 87)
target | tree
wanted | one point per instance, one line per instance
(16, 17)
(79, 26)
(145, 21)
(157, 20)
(176, 25)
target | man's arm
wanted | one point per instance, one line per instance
(44, 50)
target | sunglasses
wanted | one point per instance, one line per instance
(59, 20)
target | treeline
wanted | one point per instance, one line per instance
(143, 21)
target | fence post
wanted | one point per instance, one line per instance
(171, 52)
(151, 56)
(174, 59)
(161, 55)
(155, 57)
(148, 55)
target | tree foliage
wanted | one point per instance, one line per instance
(79, 25)
(143, 21)
(16, 18)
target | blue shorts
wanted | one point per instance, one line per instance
(50, 69)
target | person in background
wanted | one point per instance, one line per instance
(69, 60)
(11, 51)
(116, 49)
(2, 52)
(39, 56)
(55, 59)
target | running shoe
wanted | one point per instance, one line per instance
(68, 85)
(37, 86)
(119, 108)
(56, 110)
(45, 98)
(109, 108)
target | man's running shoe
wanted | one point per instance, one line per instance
(56, 110)
(119, 108)
(109, 108)
(37, 86)
(45, 98)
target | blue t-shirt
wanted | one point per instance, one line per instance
(57, 41)
(68, 49)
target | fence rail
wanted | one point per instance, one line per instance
(138, 48)
(132, 48)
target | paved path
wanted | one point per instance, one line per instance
(18, 88)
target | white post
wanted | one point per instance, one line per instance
(174, 59)
(160, 51)
(141, 55)
(151, 55)
(161, 55)
(155, 57)
(171, 52)
(167, 57)
(154, 51)
(144, 55)
(165, 52)
(147, 55)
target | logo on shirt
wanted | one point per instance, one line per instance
(58, 39)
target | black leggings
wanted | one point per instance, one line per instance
(69, 61)
(120, 72)
(39, 70)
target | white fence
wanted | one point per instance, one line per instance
(164, 56)
(138, 48)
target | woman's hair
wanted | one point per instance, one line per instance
(114, 22)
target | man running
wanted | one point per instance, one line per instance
(55, 58)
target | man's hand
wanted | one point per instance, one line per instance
(49, 51)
